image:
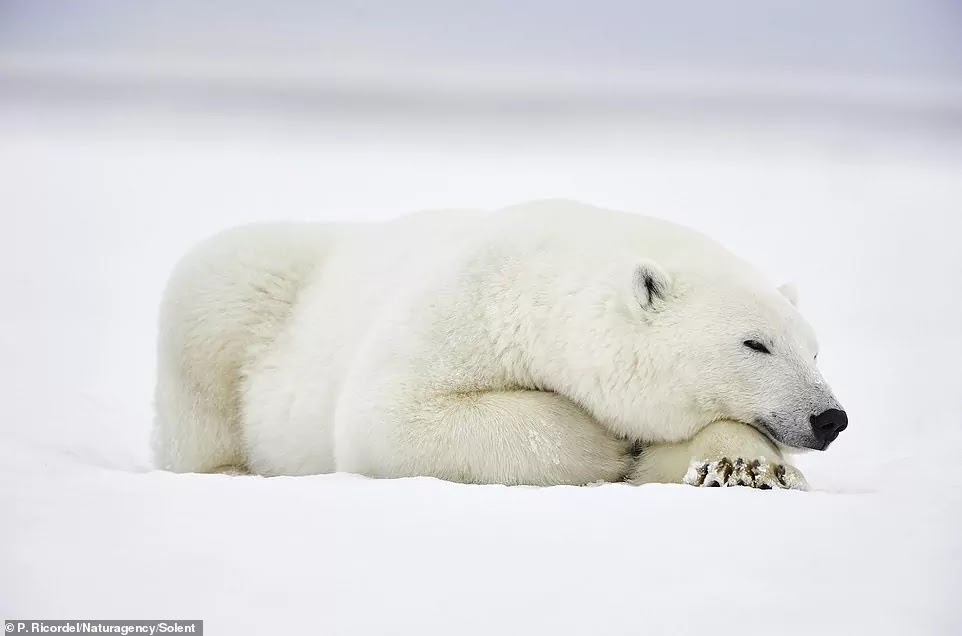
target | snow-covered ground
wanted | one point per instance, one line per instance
(94, 216)
(854, 194)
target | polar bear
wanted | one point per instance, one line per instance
(546, 343)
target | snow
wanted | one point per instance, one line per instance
(861, 211)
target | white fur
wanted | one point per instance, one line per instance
(668, 463)
(527, 345)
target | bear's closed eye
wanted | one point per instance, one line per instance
(756, 346)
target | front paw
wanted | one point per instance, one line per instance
(754, 473)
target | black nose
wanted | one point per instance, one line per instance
(828, 424)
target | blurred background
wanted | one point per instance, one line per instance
(819, 140)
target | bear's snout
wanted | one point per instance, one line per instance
(827, 425)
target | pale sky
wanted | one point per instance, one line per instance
(887, 38)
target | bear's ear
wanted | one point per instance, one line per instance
(789, 291)
(650, 283)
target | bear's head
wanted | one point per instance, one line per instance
(725, 345)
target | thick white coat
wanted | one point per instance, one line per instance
(537, 344)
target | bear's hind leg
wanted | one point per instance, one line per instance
(500, 437)
(724, 453)
(191, 435)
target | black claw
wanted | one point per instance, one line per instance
(725, 467)
(742, 475)
(780, 473)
